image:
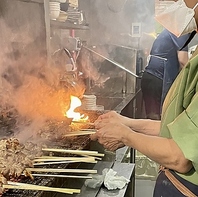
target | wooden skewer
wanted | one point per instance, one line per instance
(94, 130)
(70, 134)
(24, 186)
(87, 123)
(61, 162)
(61, 170)
(85, 152)
(63, 157)
(96, 158)
(62, 176)
(76, 152)
(88, 159)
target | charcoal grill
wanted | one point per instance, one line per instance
(77, 142)
(80, 142)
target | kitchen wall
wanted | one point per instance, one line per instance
(111, 34)
(22, 27)
(110, 30)
(28, 86)
(111, 21)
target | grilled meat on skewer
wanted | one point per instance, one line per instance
(3, 181)
(15, 157)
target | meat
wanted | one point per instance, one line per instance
(3, 180)
(54, 130)
(15, 157)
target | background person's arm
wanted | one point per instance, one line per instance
(183, 58)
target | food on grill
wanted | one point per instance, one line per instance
(3, 181)
(54, 130)
(15, 157)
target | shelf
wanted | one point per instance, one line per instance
(67, 25)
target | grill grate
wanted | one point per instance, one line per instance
(77, 142)
(80, 142)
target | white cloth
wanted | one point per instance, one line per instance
(96, 181)
(113, 181)
(110, 179)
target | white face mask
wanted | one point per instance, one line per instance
(178, 18)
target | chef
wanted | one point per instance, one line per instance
(173, 141)
(167, 56)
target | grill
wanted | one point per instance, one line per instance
(78, 142)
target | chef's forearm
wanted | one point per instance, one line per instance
(161, 150)
(146, 126)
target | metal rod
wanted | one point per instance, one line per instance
(113, 62)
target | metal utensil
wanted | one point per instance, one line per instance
(113, 62)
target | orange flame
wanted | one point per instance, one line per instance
(75, 102)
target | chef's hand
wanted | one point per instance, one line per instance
(110, 117)
(111, 135)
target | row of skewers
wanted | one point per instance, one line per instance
(38, 165)
(83, 156)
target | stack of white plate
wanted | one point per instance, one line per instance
(54, 10)
(89, 102)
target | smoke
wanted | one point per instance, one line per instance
(111, 21)
(88, 62)
(30, 91)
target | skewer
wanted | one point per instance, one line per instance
(70, 134)
(76, 152)
(62, 176)
(61, 170)
(94, 130)
(87, 159)
(87, 123)
(60, 162)
(96, 158)
(24, 186)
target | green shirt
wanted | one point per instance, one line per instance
(180, 115)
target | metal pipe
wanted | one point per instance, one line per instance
(113, 62)
(71, 58)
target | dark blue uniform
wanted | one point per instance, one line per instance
(162, 69)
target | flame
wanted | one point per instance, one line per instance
(75, 102)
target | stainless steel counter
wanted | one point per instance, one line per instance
(122, 169)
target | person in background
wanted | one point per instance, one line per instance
(172, 141)
(165, 61)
